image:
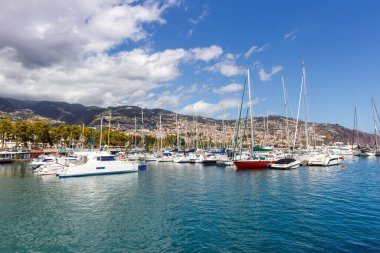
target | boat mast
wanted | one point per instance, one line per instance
(109, 130)
(176, 120)
(374, 122)
(101, 131)
(142, 129)
(298, 115)
(160, 134)
(356, 128)
(378, 118)
(286, 111)
(238, 121)
(250, 108)
(306, 107)
(223, 129)
(134, 136)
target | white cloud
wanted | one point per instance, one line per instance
(226, 68)
(255, 49)
(291, 35)
(202, 108)
(267, 76)
(97, 80)
(48, 32)
(207, 53)
(233, 87)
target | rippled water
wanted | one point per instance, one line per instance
(190, 208)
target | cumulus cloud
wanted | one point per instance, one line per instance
(230, 88)
(226, 67)
(206, 109)
(58, 50)
(255, 49)
(56, 31)
(97, 80)
(267, 76)
(206, 54)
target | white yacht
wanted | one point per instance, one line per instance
(325, 159)
(42, 160)
(98, 164)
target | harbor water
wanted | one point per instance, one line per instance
(193, 208)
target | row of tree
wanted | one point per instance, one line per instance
(42, 134)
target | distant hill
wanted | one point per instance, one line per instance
(126, 117)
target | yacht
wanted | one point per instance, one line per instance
(98, 164)
(325, 159)
(42, 160)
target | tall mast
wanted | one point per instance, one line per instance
(135, 130)
(238, 121)
(298, 115)
(356, 127)
(101, 132)
(286, 111)
(354, 130)
(142, 128)
(374, 121)
(250, 108)
(176, 120)
(109, 130)
(306, 107)
(223, 129)
(160, 134)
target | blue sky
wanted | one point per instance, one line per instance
(190, 56)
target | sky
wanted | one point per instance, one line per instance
(191, 56)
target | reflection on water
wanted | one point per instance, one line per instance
(185, 207)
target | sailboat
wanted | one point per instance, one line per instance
(254, 162)
(360, 151)
(375, 126)
(288, 162)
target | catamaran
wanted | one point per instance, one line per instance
(98, 163)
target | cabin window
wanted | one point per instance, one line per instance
(107, 158)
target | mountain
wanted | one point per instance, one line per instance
(128, 117)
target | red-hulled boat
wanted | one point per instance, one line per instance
(253, 164)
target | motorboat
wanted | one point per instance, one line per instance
(285, 164)
(166, 157)
(42, 161)
(364, 152)
(98, 164)
(325, 159)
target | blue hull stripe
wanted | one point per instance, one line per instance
(96, 174)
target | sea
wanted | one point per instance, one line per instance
(193, 208)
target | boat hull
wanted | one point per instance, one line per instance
(286, 166)
(95, 169)
(241, 165)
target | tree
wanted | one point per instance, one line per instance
(23, 132)
(40, 132)
(6, 130)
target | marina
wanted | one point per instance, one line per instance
(189, 126)
(188, 207)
